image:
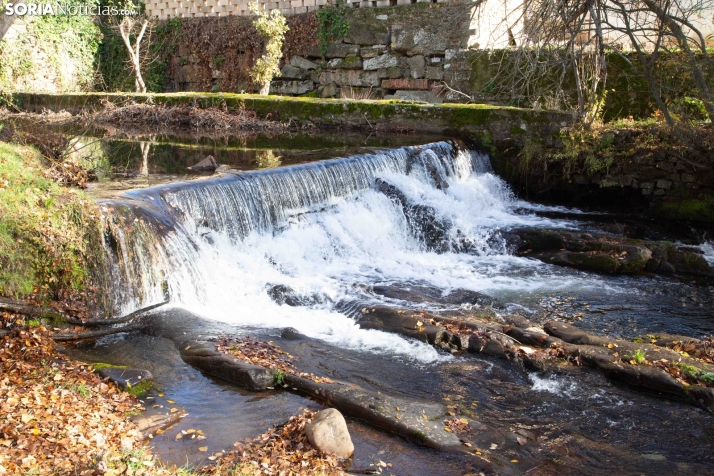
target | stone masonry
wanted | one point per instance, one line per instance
(163, 9)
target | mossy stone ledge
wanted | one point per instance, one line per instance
(495, 123)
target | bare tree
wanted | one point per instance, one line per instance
(565, 42)
(132, 25)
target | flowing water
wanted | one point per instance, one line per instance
(216, 246)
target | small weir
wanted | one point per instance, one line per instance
(308, 246)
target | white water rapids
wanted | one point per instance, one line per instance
(217, 245)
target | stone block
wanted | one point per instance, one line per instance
(351, 77)
(382, 61)
(376, 34)
(329, 91)
(416, 66)
(411, 84)
(688, 178)
(291, 72)
(352, 62)
(659, 191)
(665, 184)
(291, 87)
(300, 62)
(417, 41)
(341, 50)
(372, 51)
(435, 73)
(328, 433)
(663, 165)
(394, 72)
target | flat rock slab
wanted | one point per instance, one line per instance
(420, 421)
(204, 356)
(158, 414)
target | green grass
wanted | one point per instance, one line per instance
(101, 365)
(707, 377)
(279, 377)
(638, 356)
(140, 388)
(44, 229)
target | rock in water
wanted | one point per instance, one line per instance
(328, 432)
(206, 165)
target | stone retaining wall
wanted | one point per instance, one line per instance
(401, 52)
(165, 9)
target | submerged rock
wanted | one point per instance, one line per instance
(283, 294)
(328, 433)
(419, 294)
(422, 219)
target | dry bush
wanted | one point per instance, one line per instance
(184, 116)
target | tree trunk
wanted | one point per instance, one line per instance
(683, 41)
(264, 89)
(125, 29)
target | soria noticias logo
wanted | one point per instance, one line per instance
(41, 9)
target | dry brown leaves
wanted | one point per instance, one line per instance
(58, 417)
(265, 354)
(184, 116)
(458, 426)
(258, 352)
(281, 451)
(68, 173)
(702, 350)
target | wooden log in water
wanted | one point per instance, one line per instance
(114, 320)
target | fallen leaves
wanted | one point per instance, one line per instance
(43, 430)
(265, 354)
(257, 352)
(283, 450)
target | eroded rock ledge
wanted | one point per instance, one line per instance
(606, 253)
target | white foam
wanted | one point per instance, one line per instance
(552, 384)
(708, 249)
(360, 238)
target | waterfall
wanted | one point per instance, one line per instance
(431, 214)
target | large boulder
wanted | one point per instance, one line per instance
(328, 433)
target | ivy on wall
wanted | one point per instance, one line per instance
(55, 53)
(333, 24)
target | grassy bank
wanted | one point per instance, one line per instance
(48, 233)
